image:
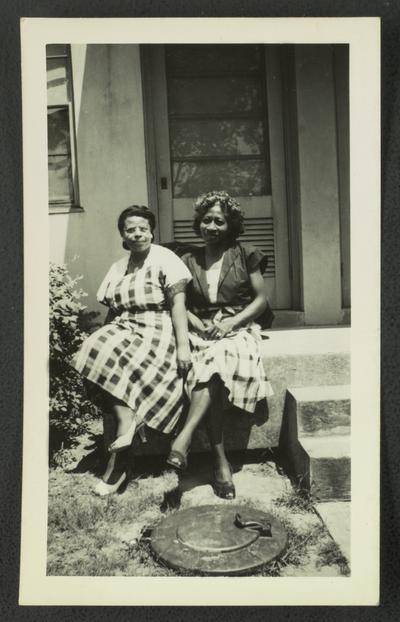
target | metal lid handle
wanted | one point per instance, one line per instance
(263, 529)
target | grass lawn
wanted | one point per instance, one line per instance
(93, 536)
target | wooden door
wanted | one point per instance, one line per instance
(215, 119)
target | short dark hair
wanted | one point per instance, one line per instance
(136, 210)
(229, 206)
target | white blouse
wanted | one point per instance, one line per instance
(212, 277)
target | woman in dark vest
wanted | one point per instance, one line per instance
(225, 297)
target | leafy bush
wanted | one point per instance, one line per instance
(69, 411)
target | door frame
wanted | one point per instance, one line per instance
(158, 168)
(290, 127)
(273, 78)
(160, 199)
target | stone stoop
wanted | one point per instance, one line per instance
(315, 440)
(311, 357)
(263, 429)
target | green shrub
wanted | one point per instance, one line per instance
(70, 410)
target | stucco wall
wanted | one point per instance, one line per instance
(111, 160)
(319, 189)
(112, 170)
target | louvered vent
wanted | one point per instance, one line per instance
(258, 232)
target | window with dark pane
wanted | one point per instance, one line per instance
(60, 126)
(217, 119)
(59, 155)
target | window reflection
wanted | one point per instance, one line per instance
(58, 134)
(59, 158)
(57, 85)
(216, 137)
(217, 119)
(238, 178)
(60, 126)
(60, 178)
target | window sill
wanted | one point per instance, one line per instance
(64, 208)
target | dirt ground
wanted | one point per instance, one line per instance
(93, 536)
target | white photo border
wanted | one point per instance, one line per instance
(362, 587)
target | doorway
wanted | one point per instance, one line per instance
(214, 122)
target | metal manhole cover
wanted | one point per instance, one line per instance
(218, 539)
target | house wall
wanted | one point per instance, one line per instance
(343, 146)
(111, 160)
(111, 157)
(318, 180)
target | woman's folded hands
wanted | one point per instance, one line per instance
(211, 329)
(218, 330)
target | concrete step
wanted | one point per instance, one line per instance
(328, 467)
(308, 357)
(320, 466)
(315, 440)
(322, 409)
(263, 429)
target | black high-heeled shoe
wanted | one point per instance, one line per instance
(224, 489)
(177, 460)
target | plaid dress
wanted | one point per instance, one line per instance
(236, 358)
(134, 357)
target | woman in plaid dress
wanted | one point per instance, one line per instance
(227, 293)
(138, 358)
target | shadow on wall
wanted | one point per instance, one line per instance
(111, 159)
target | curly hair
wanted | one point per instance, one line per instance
(230, 208)
(136, 210)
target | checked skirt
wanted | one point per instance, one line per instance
(134, 359)
(236, 359)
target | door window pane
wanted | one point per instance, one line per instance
(238, 178)
(216, 138)
(217, 120)
(214, 95)
(213, 59)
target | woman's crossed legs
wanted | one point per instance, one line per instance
(207, 403)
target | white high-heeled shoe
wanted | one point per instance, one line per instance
(103, 489)
(124, 440)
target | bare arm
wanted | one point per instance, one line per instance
(179, 320)
(258, 305)
(176, 298)
(195, 323)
